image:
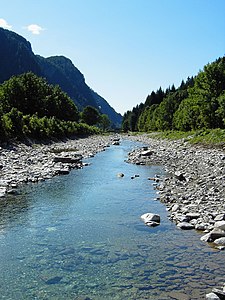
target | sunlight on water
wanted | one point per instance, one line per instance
(80, 237)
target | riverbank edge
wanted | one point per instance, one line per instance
(22, 163)
(194, 181)
(193, 188)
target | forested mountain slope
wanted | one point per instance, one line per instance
(197, 103)
(17, 57)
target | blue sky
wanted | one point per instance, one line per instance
(124, 48)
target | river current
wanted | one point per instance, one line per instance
(80, 236)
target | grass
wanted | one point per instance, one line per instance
(204, 137)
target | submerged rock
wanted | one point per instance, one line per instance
(120, 175)
(54, 280)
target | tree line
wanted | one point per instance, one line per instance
(31, 108)
(198, 103)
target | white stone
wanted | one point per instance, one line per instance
(147, 153)
(175, 207)
(149, 217)
(220, 241)
(212, 296)
(220, 225)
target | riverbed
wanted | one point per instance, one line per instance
(80, 236)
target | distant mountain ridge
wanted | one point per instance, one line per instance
(17, 57)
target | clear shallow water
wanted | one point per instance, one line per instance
(80, 235)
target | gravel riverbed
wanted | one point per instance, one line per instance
(22, 163)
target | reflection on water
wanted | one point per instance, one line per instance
(80, 237)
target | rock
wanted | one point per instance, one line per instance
(67, 160)
(213, 235)
(53, 280)
(180, 176)
(201, 226)
(120, 175)
(220, 225)
(180, 218)
(3, 191)
(63, 171)
(116, 143)
(179, 295)
(212, 296)
(220, 241)
(220, 247)
(185, 226)
(219, 217)
(175, 207)
(147, 153)
(219, 293)
(192, 216)
(150, 219)
(152, 224)
(116, 139)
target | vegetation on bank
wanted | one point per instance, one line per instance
(197, 104)
(207, 137)
(31, 108)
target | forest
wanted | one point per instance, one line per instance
(32, 108)
(198, 103)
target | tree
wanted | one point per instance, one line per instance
(104, 122)
(31, 94)
(90, 115)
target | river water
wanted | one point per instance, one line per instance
(80, 236)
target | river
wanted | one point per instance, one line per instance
(80, 236)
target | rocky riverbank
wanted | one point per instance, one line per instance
(194, 186)
(193, 189)
(21, 163)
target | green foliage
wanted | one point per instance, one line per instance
(104, 122)
(29, 107)
(205, 137)
(197, 103)
(31, 94)
(90, 115)
(130, 120)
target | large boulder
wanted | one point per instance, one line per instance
(220, 225)
(220, 241)
(151, 219)
(212, 296)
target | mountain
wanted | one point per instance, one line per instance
(17, 57)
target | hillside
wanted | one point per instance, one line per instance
(17, 57)
(198, 103)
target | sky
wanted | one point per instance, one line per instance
(125, 48)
